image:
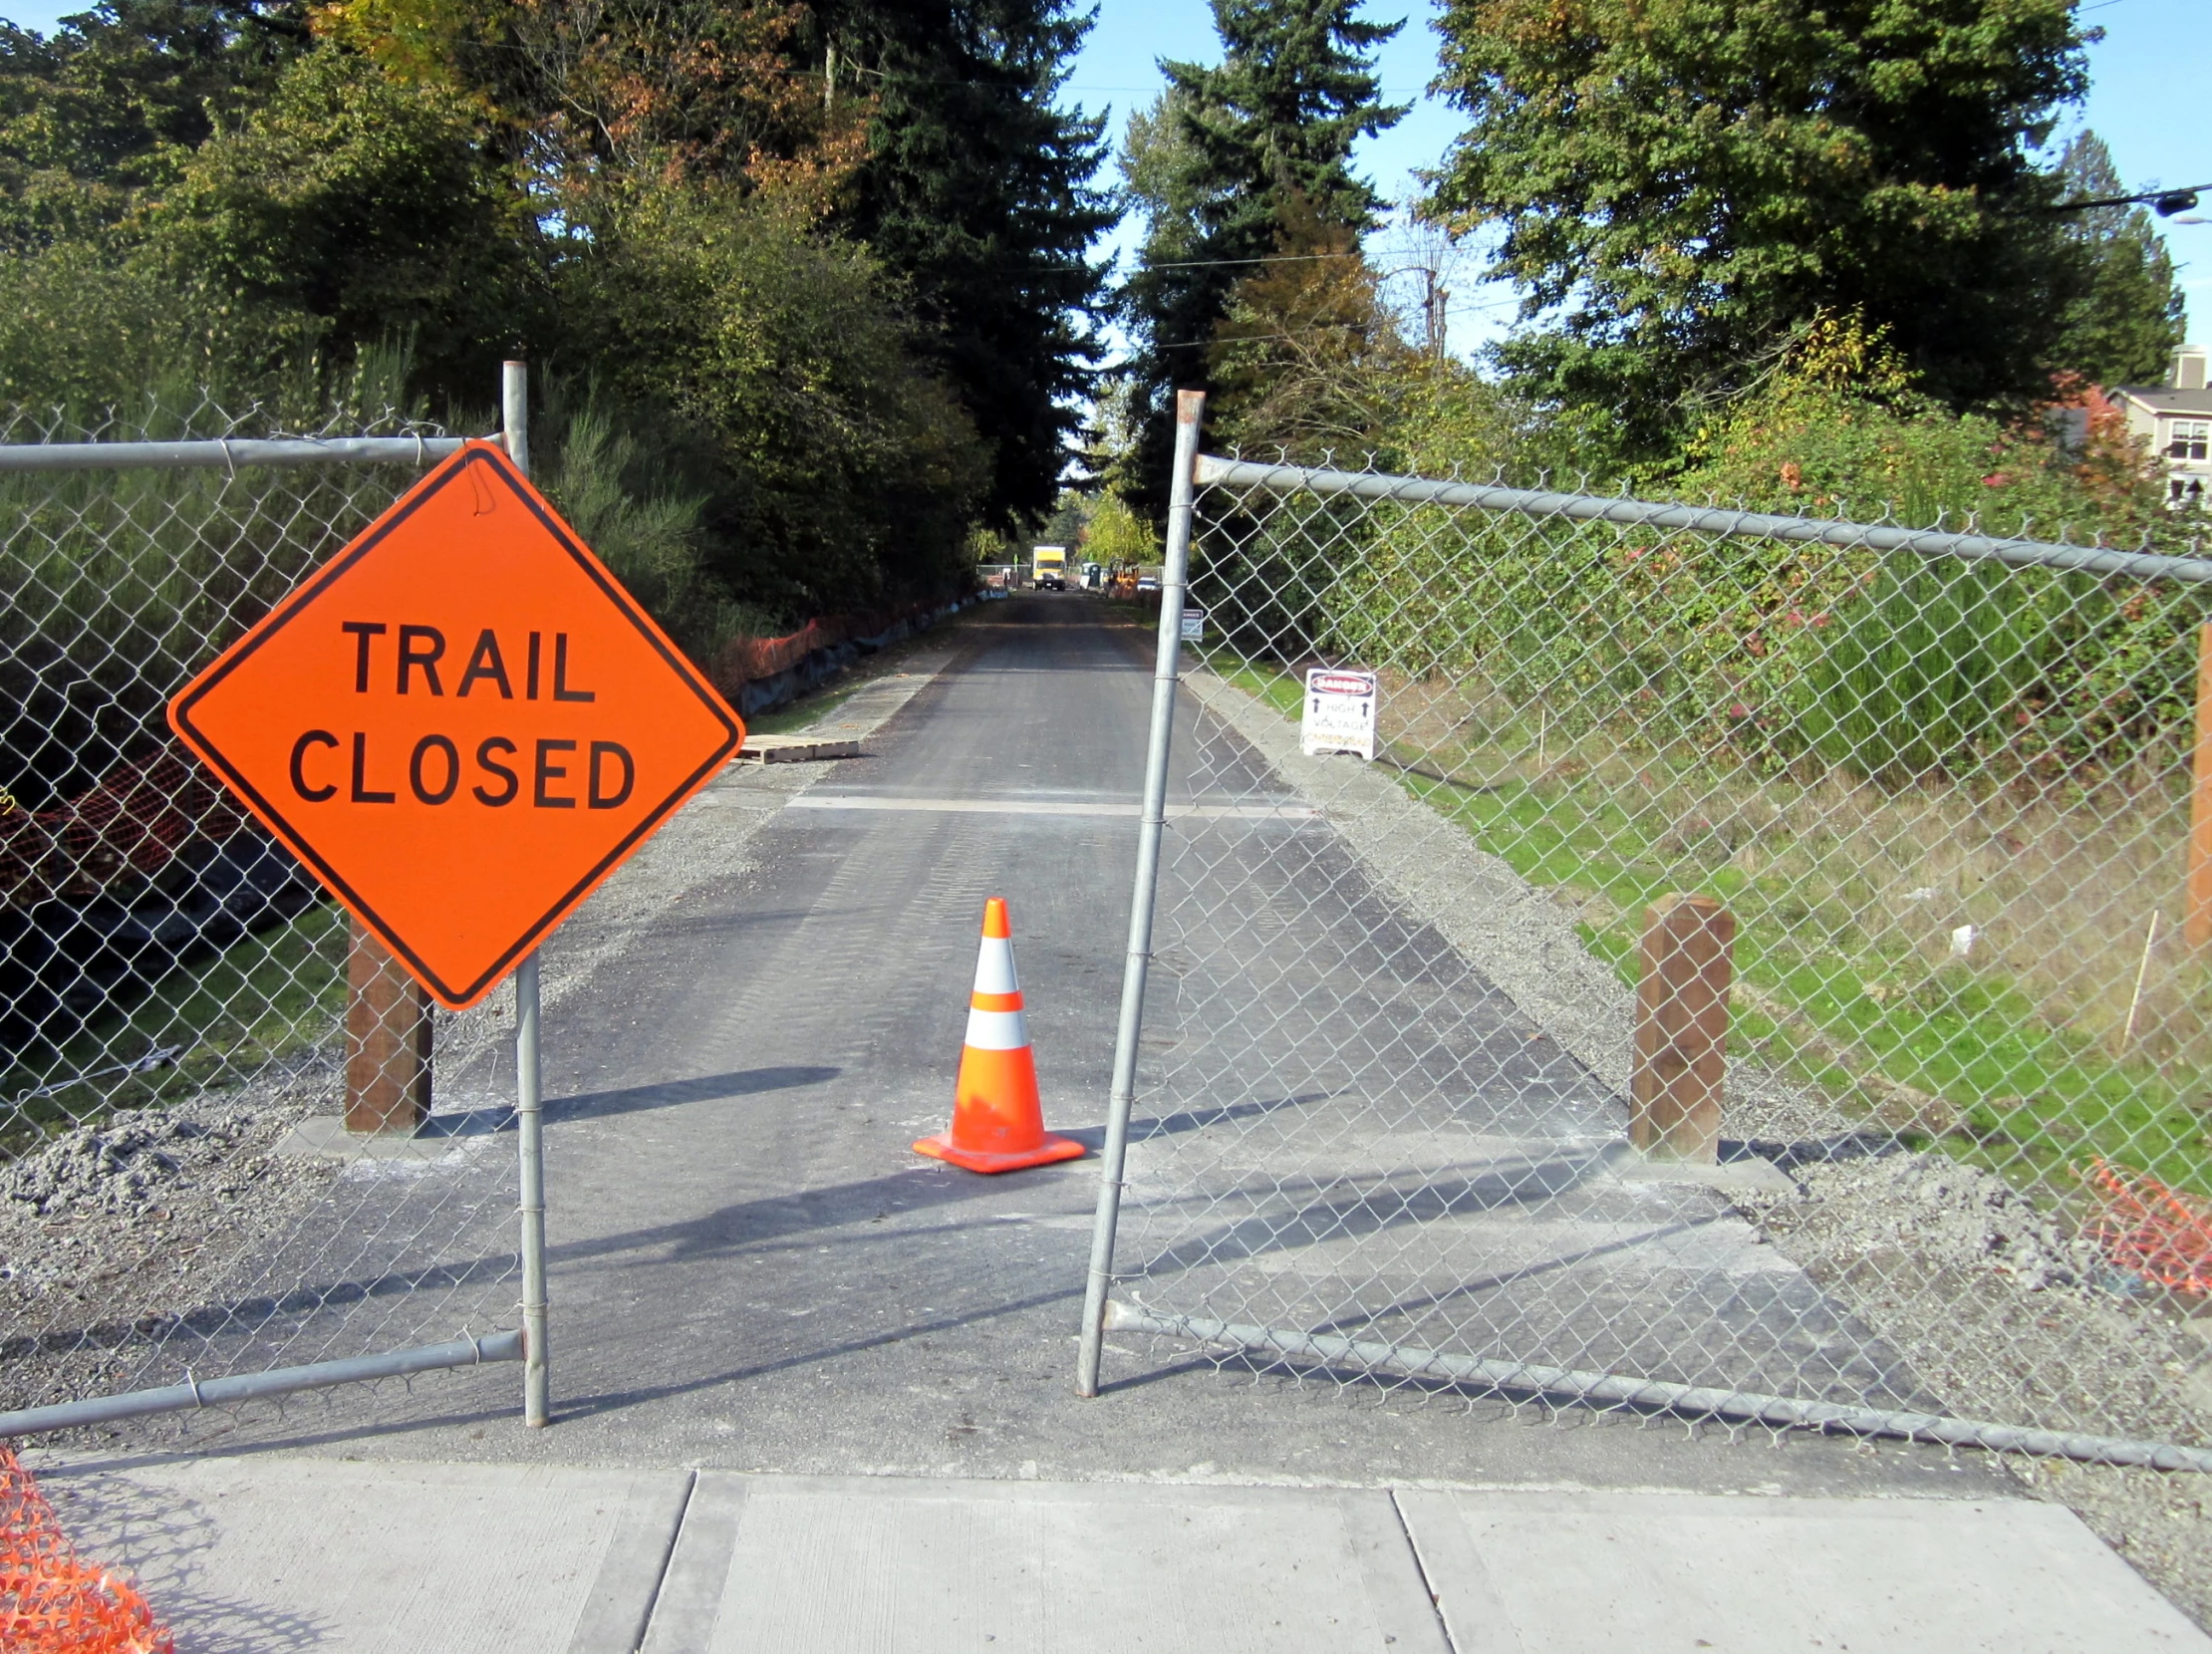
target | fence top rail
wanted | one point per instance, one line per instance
(1639, 513)
(226, 453)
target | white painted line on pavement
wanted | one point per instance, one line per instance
(1044, 806)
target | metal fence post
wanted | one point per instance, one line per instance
(2197, 920)
(514, 385)
(1190, 406)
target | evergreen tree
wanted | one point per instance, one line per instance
(1233, 164)
(2124, 314)
(977, 192)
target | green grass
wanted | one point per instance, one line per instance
(2033, 1098)
(1276, 688)
(267, 995)
(1966, 1036)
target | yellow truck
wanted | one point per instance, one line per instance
(1049, 568)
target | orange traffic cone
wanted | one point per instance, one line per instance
(997, 1121)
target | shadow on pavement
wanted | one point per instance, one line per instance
(633, 1099)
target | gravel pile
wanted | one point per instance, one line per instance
(127, 1220)
(1948, 1215)
(124, 1166)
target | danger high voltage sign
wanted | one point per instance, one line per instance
(462, 723)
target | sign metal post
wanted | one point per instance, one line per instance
(529, 1090)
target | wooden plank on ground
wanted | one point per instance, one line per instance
(794, 749)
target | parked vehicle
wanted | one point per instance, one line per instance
(1049, 568)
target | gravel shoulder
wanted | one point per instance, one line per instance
(122, 1225)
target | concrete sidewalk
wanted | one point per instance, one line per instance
(269, 1554)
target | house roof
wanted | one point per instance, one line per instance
(2162, 398)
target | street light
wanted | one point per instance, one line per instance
(2164, 202)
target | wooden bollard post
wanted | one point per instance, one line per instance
(2196, 922)
(387, 1040)
(1674, 1089)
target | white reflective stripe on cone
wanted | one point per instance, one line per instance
(994, 968)
(996, 1031)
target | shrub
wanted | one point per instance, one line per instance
(375, 207)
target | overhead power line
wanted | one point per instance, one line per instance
(1323, 326)
(1271, 258)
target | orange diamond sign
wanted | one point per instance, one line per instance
(461, 722)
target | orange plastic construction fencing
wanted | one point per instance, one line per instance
(2150, 1229)
(51, 1602)
(133, 823)
(744, 659)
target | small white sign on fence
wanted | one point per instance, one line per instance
(1339, 712)
(1194, 626)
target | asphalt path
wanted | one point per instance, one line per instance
(751, 1269)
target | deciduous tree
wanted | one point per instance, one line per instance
(1310, 362)
(847, 471)
(372, 206)
(1681, 183)
(115, 100)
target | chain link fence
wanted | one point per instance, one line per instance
(1407, 1051)
(174, 1025)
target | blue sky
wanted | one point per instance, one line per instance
(2147, 101)
(1118, 69)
